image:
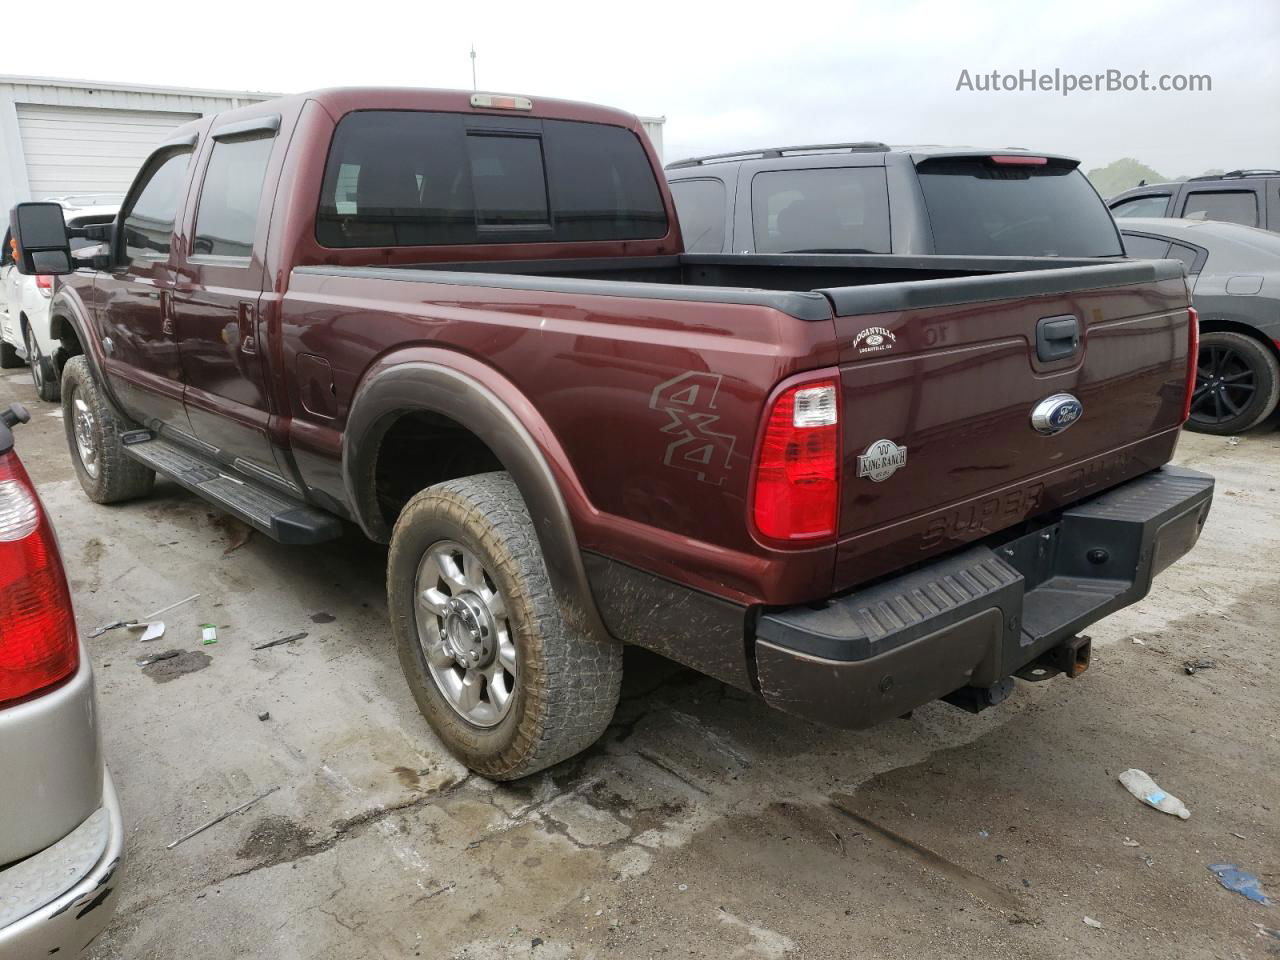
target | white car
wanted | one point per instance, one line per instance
(25, 336)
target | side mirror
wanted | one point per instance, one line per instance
(40, 239)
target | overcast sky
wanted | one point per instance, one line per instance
(732, 75)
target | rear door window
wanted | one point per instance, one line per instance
(227, 219)
(411, 178)
(1233, 206)
(1153, 206)
(1145, 248)
(981, 208)
(837, 209)
(700, 206)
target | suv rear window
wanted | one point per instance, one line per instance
(700, 206)
(980, 208)
(836, 209)
(412, 178)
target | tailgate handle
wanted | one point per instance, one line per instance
(1057, 338)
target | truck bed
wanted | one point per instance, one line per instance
(594, 347)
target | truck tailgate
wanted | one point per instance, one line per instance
(955, 383)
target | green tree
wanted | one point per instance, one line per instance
(1121, 175)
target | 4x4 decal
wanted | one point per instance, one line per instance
(689, 401)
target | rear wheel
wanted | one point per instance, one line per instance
(503, 679)
(1237, 384)
(9, 359)
(93, 435)
(42, 375)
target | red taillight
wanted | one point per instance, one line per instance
(796, 494)
(44, 284)
(1018, 160)
(38, 645)
(1193, 359)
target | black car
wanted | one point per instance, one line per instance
(1234, 273)
(1250, 198)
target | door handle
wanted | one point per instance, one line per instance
(1057, 338)
(246, 315)
(166, 313)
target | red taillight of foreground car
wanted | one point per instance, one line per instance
(38, 645)
(1193, 359)
(44, 284)
(796, 494)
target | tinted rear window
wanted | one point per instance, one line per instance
(843, 209)
(398, 178)
(700, 206)
(980, 208)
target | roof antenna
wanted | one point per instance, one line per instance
(473, 67)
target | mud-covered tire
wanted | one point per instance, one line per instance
(9, 359)
(1248, 387)
(566, 681)
(108, 476)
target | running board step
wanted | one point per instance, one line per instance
(278, 515)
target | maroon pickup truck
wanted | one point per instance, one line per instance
(465, 323)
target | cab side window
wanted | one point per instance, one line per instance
(1233, 206)
(228, 216)
(148, 226)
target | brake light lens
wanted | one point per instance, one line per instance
(1019, 160)
(38, 645)
(44, 284)
(796, 494)
(494, 101)
(1193, 359)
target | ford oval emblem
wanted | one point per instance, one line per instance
(1054, 414)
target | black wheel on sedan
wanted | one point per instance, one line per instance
(1237, 384)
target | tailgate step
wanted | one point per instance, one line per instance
(278, 515)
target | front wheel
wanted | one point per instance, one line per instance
(1237, 384)
(42, 373)
(504, 680)
(105, 472)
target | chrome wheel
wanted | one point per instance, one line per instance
(34, 360)
(465, 633)
(84, 427)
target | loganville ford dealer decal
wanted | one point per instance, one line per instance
(874, 340)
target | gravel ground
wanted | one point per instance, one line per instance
(703, 824)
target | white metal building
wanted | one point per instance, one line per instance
(653, 127)
(63, 137)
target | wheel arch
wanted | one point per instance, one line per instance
(493, 411)
(1220, 324)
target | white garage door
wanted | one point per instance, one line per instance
(76, 150)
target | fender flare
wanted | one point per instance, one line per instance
(430, 381)
(69, 310)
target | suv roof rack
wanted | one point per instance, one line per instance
(1237, 174)
(771, 153)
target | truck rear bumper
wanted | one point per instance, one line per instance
(976, 617)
